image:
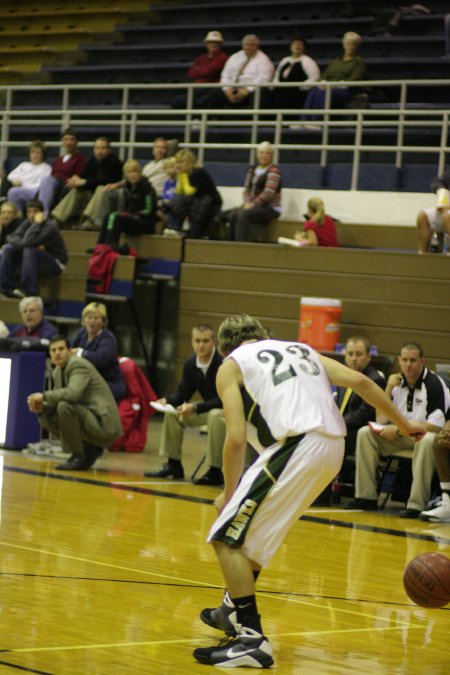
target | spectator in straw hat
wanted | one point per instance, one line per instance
(206, 68)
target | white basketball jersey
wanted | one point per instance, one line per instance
(288, 383)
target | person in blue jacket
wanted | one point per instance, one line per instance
(96, 343)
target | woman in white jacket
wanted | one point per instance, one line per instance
(26, 178)
(298, 68)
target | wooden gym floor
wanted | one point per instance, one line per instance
(105, 572)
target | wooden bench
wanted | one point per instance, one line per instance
(353, 235)
(388, 296)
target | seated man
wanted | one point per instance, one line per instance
(70, 163)
(36, 248)
(80, 409)
(440, 513)
(421, 395)
(86, 194)
(355, 411)
(433, 223)
(244, 69)
(35, 331)
(199, 374)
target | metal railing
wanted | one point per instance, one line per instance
(194, 125)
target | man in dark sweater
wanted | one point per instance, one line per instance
(86, 193)
(36, 248)
(355, 411)
(199, 375)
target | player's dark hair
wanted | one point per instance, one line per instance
(412, 345)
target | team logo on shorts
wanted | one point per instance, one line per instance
(241, 519)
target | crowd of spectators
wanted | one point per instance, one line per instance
(105, 194)
(242, 71)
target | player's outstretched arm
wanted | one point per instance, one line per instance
(342, 376)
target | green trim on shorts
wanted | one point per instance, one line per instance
(234, 530)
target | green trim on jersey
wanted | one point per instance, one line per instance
(253, 415)
(234, 530)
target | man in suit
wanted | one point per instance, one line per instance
(199, 374)
(80, 409)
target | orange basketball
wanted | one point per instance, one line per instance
(427, 580)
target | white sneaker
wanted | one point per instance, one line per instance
(440, 514)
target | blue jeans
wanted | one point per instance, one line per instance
(31, 262)
(340, 96)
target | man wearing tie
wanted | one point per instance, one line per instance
(355, 411)
(244, 69)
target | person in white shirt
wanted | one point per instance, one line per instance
(299, 69)
(26, 177)
(154, 170)
(241, 74)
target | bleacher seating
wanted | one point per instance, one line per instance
(36, 33)
(162, 49)
(389, 296)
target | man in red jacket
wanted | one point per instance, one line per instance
(206, 68)
(69, 163)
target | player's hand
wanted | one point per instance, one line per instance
(414, 429)
(220, 502)
(162, 401)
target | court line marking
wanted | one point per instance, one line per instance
(106, 564)
(153, 643)
(274, 596)
(25, 669)
(375, 529)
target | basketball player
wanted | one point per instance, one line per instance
(282, 389)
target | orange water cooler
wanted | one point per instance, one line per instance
(319, 322)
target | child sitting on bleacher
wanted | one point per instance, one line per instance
(136, 207)
(319, 229)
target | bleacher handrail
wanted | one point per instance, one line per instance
(129, 119)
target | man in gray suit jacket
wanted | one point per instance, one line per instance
(80, 409)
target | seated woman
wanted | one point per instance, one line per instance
(196, 197)
(26, 178)
(349, 67)
(296, 68)
(98, 345)
(136, 207)
(319, 229)
(262, 198)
